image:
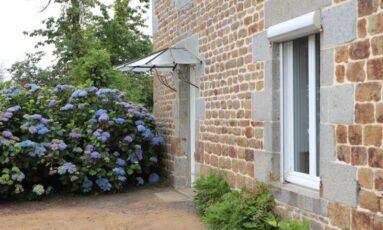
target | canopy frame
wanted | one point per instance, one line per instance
(165, 59)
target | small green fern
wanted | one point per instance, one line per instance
(209, 190)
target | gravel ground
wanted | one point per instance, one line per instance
(138, 209)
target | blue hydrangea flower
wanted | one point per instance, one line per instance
(120, 120)
(57, 145)
(52, 103)
(14, 109)
(116, 154)
(100, 112)
(75, 135)
(128, 139)
(61, 88)
(32, 130)
(44, 121)
(92, 121)
(83, 93)
(27, 144)
(122, 178)
(157, 141)
(39, 150)
(19, 176)
(105, 136)
(103, 118)
(8, 115)
(95, 155)
(67, 168)
(89, 148)
(7, 134)
(9, 92)
(87, 186)
(40, 126)
(79, 93)
(154, 178)
(139, 152)
(120, 162)
(32, 87)
(104, 184)
(43, 131)
(67, 107)
(75, 94)
(103, 92)
(62, 146)
(97, 133)
(119, 171)
(36, 117)
(91, 89)
(141, 128)
(139, 122)
(147, 134)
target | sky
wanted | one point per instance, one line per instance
(17, 16)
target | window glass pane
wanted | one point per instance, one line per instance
(301, 105)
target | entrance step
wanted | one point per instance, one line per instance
(189, 192)
(172, 196)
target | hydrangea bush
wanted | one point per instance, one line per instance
(75, 140)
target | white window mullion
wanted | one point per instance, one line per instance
(312, 107)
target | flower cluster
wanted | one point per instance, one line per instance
(78, 140)
(35, 124)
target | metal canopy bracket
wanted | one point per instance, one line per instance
(165, 60)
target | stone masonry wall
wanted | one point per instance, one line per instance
(227, 136)
(360, 64)
(238, 133)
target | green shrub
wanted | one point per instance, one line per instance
(209, 190)
(293, 225)
(222, 209)
(240, 210)
(76, 140)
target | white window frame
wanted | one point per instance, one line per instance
(310, 180)
(193, 94)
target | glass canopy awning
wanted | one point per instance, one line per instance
(163, 60)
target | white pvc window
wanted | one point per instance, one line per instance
(299, 110)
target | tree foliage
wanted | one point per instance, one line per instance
(29, 71)
(121, 35)
(89, 38)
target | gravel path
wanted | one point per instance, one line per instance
(138, 209)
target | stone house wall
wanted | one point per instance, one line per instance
(238, 126)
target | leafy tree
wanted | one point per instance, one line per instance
(71, 33)
(87, 45)
(95, 66)
(121, 35)
(29, 71)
